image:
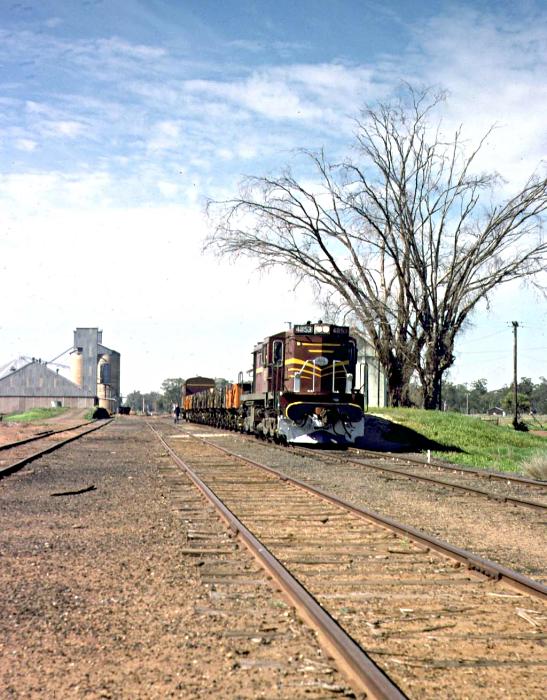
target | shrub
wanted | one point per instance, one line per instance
(536, 466)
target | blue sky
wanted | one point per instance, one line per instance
(118, 119)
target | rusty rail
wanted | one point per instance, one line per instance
(448, 466)
(432, 480)
(359, 667)
(42, 435)
(458, 487)
(470, 560)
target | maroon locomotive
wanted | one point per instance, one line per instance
(302, 390)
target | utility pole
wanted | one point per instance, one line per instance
(515, 384)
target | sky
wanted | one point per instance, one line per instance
(119, 119)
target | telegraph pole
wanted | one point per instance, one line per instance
(515, 384)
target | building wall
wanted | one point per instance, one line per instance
(19, 404)
(374, 384)
(35, 385)
(115, 374)
(95, 355)
(370, 376)
(108, 382)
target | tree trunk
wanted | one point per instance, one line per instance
(398, 386)
(432, 386)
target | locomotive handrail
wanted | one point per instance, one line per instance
(298, 374)
(349, 377)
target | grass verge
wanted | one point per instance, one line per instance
(468, 440)
(34, 414)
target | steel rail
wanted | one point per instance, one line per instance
(450, 466)
(422, 463)
(439, 482)
(471, 561)
(41, 436)
(16, 466)
(328, 456)
(362, 672)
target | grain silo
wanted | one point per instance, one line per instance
(100, 370)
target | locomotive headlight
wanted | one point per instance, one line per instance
(319, 328)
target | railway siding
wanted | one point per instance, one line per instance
(508, 489)
(510, 534)
(437, 628)
(134, 588)
(14, 456)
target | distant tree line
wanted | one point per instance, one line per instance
(150, 402)
(156, 401)
(160, 401)
(476, 398)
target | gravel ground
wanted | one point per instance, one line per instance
(102, 597)
(510, 535)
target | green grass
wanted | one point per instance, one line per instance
(478, 443)
(34, 414)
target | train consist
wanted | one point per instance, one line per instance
(302, 390)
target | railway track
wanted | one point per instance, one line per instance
(437, 464)
(504, 488)
(509, 489)
(15, 455)
(435, 620)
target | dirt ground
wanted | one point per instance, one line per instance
(117, 582)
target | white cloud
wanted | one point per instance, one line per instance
(168, 189)
(42, 192)
(64, 128)
(53, 22)
(118, 46)
(27, 145)
(166, 135)
(305, 93)
(495, 73)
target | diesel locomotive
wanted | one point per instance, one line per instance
(301, 390)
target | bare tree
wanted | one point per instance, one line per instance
(407, 236)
